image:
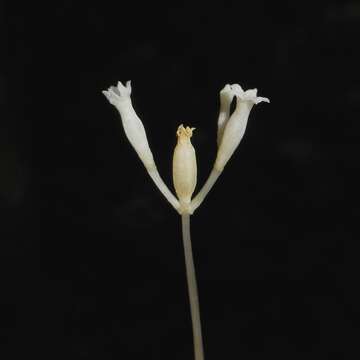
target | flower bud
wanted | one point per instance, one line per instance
(184, 166)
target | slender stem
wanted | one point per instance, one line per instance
(155, 176)
(192, 288)
(199, 198)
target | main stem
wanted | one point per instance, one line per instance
(192, 288)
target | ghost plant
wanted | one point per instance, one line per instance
(231, 129)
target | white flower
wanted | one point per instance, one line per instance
(184, 167)
(134, 129)
(232, 130)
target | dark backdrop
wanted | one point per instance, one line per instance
(92, 262)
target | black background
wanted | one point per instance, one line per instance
(92, 262)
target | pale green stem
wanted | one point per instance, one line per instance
(192, 288)
(154, 174)
(199, 198)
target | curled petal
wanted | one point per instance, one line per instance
(260, 99)
(248, 95)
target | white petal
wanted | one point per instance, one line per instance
(250, 94)
(237, 89)
(226, 90)
(111, 96)
(260, 99)
(124, 90)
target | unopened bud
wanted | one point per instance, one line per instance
(184, 167)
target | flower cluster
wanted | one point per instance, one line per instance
(231, 129)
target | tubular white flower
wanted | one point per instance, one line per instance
(184, 167)
(134, 129)
(226, 97)
(235, 127)
(230, 132)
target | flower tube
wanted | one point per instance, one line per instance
(226, 98)
(134, 129)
